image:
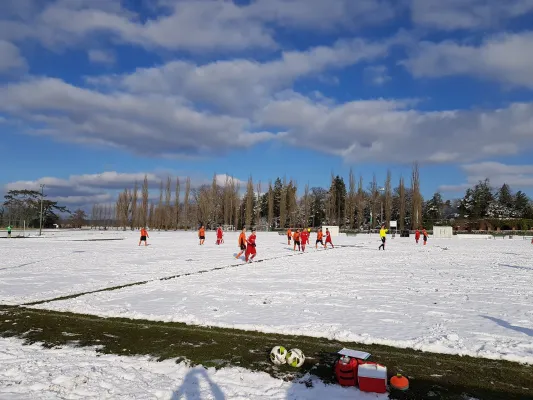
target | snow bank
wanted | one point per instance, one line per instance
(72, 373)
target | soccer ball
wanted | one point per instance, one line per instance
(295, 358)
(278, 355)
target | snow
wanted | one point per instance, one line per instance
(74, 373)
(468, 297)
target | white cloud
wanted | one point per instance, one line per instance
(385, 130)
(519, 177)
(377, 74)
(324, 14)
(145, 124)
(101, 56)
(505, 58)
(10, 57)
(193, 25)
(85, 190)
(241, 85)
(467, 14)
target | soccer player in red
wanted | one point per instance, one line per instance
(304, 237)
(250, 248)
(220, 234)
(328, 239)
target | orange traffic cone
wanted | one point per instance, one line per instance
(399, 382)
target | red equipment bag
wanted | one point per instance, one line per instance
(346, 369)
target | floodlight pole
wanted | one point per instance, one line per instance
(41, 216)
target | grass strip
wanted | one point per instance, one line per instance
(432, 376)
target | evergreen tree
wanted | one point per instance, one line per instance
(522, 205)
(434, 209)
(505, 197)
(476, 202)
(318, 205)
(337, 193)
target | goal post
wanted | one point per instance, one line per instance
(445, 232)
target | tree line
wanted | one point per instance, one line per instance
(352, 205)
(274, 205)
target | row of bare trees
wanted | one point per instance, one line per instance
(275, 206)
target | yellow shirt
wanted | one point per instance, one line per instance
(383, 232)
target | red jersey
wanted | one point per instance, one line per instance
(304, 236)
(251, 239)
(219, 233)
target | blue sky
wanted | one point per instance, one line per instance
(96, 93)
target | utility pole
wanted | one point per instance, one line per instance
(41, 217)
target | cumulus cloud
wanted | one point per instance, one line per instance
(150, 125)
(516, 176)
(377, 74)
(194, 25)
(239, 85)
(503, 58)
(10, 57)
(85, 190)
(389, 130)
(101, 56)
(467, 14)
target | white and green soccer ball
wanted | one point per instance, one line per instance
(295, 358)
(278, 355)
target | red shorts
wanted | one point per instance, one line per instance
(250, 250)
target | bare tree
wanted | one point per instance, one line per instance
(214, 201)
(350, 204)
(388, 198)
(270, 204)
(416, 216)
(152, 217)
(167, 215)
(159, 220)
(123, 209)
(177, 204)
(186, 200)
(93, 216)
(236, 203)
(258, 205)
(144, 206)
(283, 205)
(249, 202)
(374, 199)
(228, 200)
(360, 203)
(306, 205)
(292, 204)
(134, 221)
(401, 194)
(331, 205)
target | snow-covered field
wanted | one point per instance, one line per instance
(458, 296)
(73, 373)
